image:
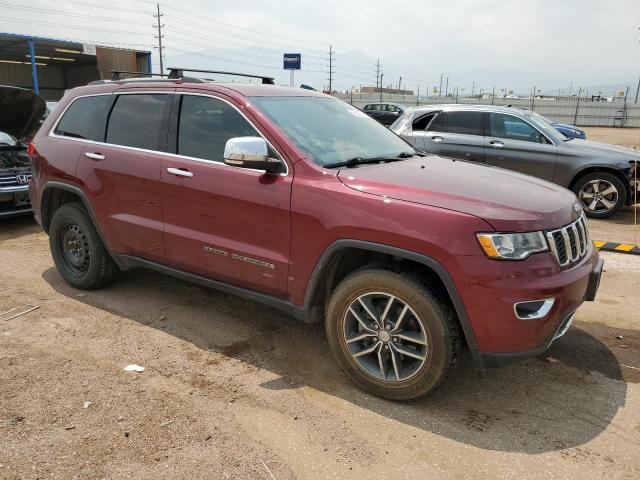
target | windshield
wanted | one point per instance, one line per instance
(329, 130)
(6, 139)
(544, 125)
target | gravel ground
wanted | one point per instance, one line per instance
(234, 390)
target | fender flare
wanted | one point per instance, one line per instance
(420, 258)
(83, 197)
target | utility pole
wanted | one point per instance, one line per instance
(378, 74)
(473, 88)
(493, 95)
(440, 89)
(446, 89)
(381, 75)
(331, 52)
(418, 97)
(637, 90)
(159, 37)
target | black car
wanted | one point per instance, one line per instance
(22, 111)
(385, 113)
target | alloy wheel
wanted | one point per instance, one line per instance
(385, 337)
(598, 196)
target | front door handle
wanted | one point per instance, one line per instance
(437, 138)
(496, 143)
(180, 172)
(94, 156)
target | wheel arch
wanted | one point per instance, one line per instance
(343, 256)
(605, 169)
(55, 194)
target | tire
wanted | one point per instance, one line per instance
(427, 318)
(77, 250)
(590, 190)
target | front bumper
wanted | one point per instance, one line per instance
(492, 289)
(14, 201)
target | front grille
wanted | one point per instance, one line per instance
(14, 180)
(570, 243)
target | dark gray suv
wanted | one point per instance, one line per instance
(601, 175)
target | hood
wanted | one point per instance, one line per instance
(507, 200)
(612, 152)
(21, 111)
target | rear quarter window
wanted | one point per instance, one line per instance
(85, 118)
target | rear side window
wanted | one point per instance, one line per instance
(205, 126)
(423, 122)
(136, 120)
(467, 123)
(85, 118)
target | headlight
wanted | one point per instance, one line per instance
(512, 246)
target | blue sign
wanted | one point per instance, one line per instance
(292, 61)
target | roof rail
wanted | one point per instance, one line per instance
(177, 73)
(115, 74)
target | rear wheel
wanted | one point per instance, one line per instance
(79, 254)
(602, 194)
(391, 334)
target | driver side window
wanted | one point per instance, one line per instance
(513, 128)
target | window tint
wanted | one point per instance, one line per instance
(422, 122)
(136, 120)
(513, 128)
(439, 124)
(368, 107)
(468, 123)
(205, 126)
(85, 118)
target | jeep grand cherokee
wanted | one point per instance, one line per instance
(297, 199)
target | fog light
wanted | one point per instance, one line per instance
(533, 309)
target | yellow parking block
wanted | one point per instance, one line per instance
(617, 247)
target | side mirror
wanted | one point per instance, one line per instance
(250, 152)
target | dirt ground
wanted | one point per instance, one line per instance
(626, 137)
(234, 390)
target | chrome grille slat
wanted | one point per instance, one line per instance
(12, 180)
(569, 244)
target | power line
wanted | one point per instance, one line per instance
(69, 14)
(75, 27)
(240, 28)
(105, 6)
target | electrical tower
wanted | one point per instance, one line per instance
(378, 74)
(159, 26)
(331, 71)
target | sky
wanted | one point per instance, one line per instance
(515, 45)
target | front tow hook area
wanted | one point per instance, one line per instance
(594, 281)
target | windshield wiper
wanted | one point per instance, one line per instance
(355, 161)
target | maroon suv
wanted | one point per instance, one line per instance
(296, 199)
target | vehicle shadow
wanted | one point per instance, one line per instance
(533, 407)
(18, 226)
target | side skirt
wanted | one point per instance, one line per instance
(127, 262)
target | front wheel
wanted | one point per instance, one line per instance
(391, 334)
(601, 194)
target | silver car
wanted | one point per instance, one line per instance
(601, 175)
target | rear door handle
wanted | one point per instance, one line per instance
(496, 143)
(437, 138)
(180, 172)
(94, 156)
